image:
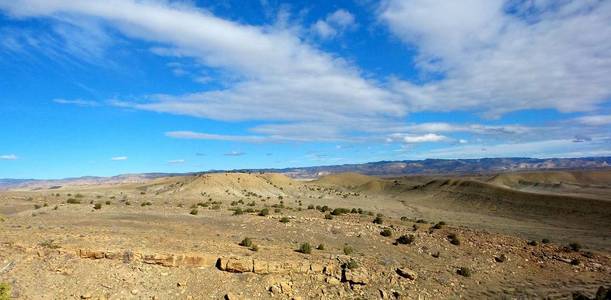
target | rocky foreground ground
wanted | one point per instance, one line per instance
(101, 245)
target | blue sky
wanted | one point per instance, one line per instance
(122, 86)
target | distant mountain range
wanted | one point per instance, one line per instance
(380, 168)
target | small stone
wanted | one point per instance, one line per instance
(134, 292)
(86, 296)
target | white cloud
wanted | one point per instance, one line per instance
(595, 120)
(176, 161)
(77, 102)
(334, 24)
(119, 158)
(426, 138)
(9, 157)
(287, 80)
(555, 54)
(234, 153)
(541, 148)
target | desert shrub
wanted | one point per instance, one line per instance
(404, 218)
(501, 258)
(146, 203)
(545, 241)
(421, 221)
(79, 196)
(129, 203)
(321, 247)
(575, 246)
(194, 211)
(107, 202)
(378, 220)
(340, 211)
(250, 210)
(37, 206)
(533, 243)
(97, 206)
(238, 211)
(284, 220)
(386, 232)
(328, 217)
(453, 238)
(348, 250)
(264, 212)
(464, 271)
(73, 201)
(5, 291)
(49, 244)
(439, 225)
(406, 239)
(415, 227)
(352, 264)
(46, 204)
(324, 208)
(277, 210)
(310, 206)
(354, 211)
(246, 242)
(575, 262)
(305, 248)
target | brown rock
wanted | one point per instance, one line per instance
(407, 273)
(359, 277)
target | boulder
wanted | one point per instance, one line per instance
(407, 273)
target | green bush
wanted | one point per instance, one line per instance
(453, 238)
(386, 232)
(321, 247)
(533, 243)
(464, 271)
(421, 221)
(97, 206)
(246, 242)
(284, 220)
(545, 241)
(107, 202)
(73, 201)
(348, 250)
(575, 246)
(310, 206)
(305, 248)
(378, 220)
(352, 264)
(194, 211)
(238, 212)
(5, 291)
(340, 211)
(439, 225)
(264, 212)
(406, 239)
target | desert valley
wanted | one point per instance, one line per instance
(517, 235)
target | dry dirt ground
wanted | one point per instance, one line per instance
(179, 238)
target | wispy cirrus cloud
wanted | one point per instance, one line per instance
(234, 153)
(9, 157)
(176, 161)
(118, 158)
(77, 102)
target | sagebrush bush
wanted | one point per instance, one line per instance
(97, 206)
(284, 220)
(453, 238)
(406, 239)
(575, 246)
(246, 242)
(194, 211)
(348, 250)
(264, 212)
(545, 241)
(386, 232)
(73, 201)
(352, 264)
(464, 271)
(378, 220)
(340, 211)
(238, 211)
(305, 248)
(321, 247)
